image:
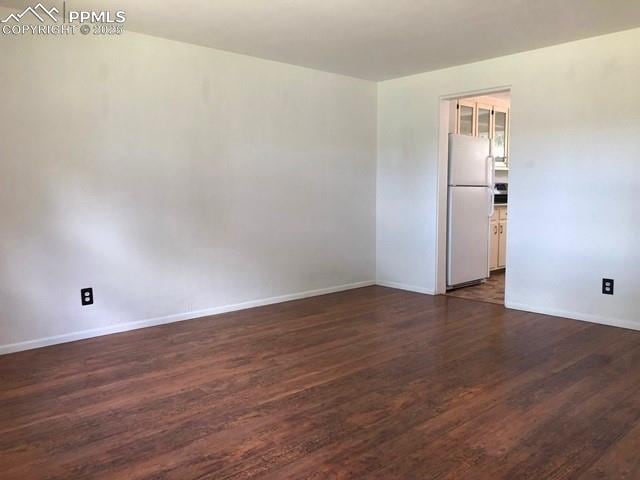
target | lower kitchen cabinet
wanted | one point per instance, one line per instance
(494, 251)
(498, 243)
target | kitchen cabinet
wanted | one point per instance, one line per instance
(466, 118)
(494, 243)
(498, 240)
(487, 120)
(502, 250)
(500, 135)
(483, 120)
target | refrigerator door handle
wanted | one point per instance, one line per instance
(491, 173)
(492, 207)
(490, 168)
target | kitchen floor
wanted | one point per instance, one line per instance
(491, 291)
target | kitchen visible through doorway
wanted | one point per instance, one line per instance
(477, 124)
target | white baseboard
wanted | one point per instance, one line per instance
(125, 327)
(584, 317)
(403, 286)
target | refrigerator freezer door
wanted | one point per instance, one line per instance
(468, 235)
(468, 161)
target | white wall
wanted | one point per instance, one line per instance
(173, 179)
(574, 180)
(178, 180)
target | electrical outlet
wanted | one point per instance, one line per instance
(607, 286)
(86, 295)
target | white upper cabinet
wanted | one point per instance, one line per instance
(483, 120)
(466, 118)
(501, 136)
(486, 119)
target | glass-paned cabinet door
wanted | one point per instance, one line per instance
(483, 120)
(466, 116)
(500, 123)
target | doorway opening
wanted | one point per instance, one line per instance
(473, 195)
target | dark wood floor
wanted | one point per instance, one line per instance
(373, 383)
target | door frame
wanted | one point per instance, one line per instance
(442, 173)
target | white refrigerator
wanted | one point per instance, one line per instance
(470, 207)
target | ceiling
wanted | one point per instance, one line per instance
(370, 39)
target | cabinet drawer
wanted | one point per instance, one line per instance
(499, 213)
